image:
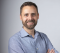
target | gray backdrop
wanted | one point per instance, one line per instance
(49, 20)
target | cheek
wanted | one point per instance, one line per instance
(35, 19)
(24, 19)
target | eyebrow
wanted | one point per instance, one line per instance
(26, 14)
(31, 13)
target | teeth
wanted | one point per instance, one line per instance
(30, 22)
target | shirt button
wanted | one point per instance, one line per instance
(37, 48)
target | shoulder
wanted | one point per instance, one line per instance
(14, 41)
(15, 37)
(43, 35)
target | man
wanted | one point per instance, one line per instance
(28, 40)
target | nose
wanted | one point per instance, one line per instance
(30, 17)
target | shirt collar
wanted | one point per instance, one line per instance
(24, 33)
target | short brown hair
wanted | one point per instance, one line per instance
(28, 4)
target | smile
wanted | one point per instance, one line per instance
(30, 23)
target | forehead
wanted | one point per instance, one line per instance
(29, 9)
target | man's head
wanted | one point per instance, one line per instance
(29, 14)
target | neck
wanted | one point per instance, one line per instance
(29, 31)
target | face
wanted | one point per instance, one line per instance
(29, 17)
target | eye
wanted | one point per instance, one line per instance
(26, 15)
(33, 14)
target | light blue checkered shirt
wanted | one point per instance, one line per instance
(22, 42)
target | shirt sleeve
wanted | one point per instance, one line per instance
(14, 46)
(49, 44)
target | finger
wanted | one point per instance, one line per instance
(48, 50)
(52, 51)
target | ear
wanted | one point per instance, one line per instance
(20, 17)
(38, 15)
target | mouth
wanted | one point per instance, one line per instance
(30, 23)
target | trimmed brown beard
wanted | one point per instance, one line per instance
(31, 26)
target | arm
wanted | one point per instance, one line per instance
(50, 46)
(14, 46)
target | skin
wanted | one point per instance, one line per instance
(30, 13)
(52, 51)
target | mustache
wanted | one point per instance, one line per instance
(30, 21)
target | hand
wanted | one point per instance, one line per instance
(52, 51)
